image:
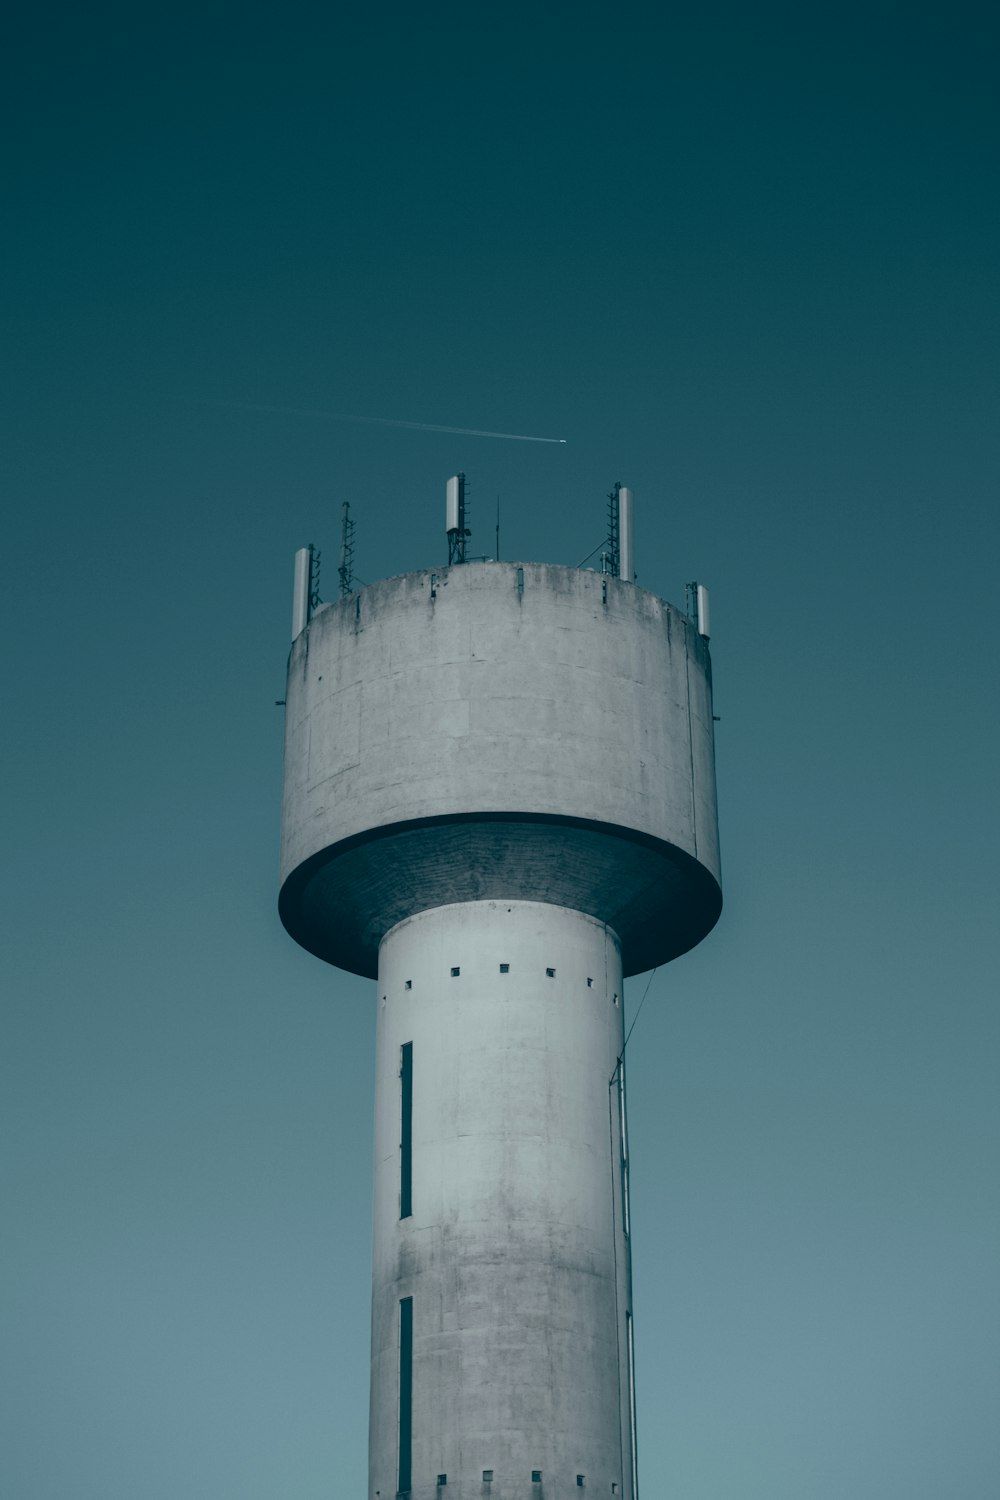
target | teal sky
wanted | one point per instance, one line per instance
(743, 259)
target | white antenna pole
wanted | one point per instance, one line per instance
(300, 591)
(626, 535)
(704, 618)
(454, 518)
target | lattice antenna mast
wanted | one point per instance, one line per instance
(612, 558)
(345, 571)
(314, 559)
(455, 518)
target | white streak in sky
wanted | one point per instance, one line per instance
(343, 416)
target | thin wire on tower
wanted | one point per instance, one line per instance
(635, 1018)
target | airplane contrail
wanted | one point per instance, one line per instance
(343, 416)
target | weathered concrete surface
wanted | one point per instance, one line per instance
(501, 764)
(515, 1254)
(498, 731)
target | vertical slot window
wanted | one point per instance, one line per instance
(406, 1130)
(623, 1138)
(631, 1408)
(405, 1394)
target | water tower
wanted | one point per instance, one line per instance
(499, 802)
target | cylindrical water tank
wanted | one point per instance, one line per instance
(494, 730)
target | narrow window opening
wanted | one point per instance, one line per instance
(623, 1143)
(615, 998)
(631, 1407)
(551, 973)
(455, 973)
(520, 580)
(579, 1481)
(487, 1476)
(405, 1393)
(505, 968)
(614, 1486)
(406, 1130)
(536, 1476)
(590, 983)
(442, 1479)
(408, 985)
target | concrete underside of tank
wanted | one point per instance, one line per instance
(657, 898)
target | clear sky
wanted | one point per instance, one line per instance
(743, 259)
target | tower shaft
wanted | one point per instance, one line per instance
(499, 1213)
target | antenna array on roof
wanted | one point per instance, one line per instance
(454, 510)
(619, 559)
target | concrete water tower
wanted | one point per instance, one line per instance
(499, 801)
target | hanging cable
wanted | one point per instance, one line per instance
(589, 555)
(632, 1027)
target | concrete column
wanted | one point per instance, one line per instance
(514, 1253)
